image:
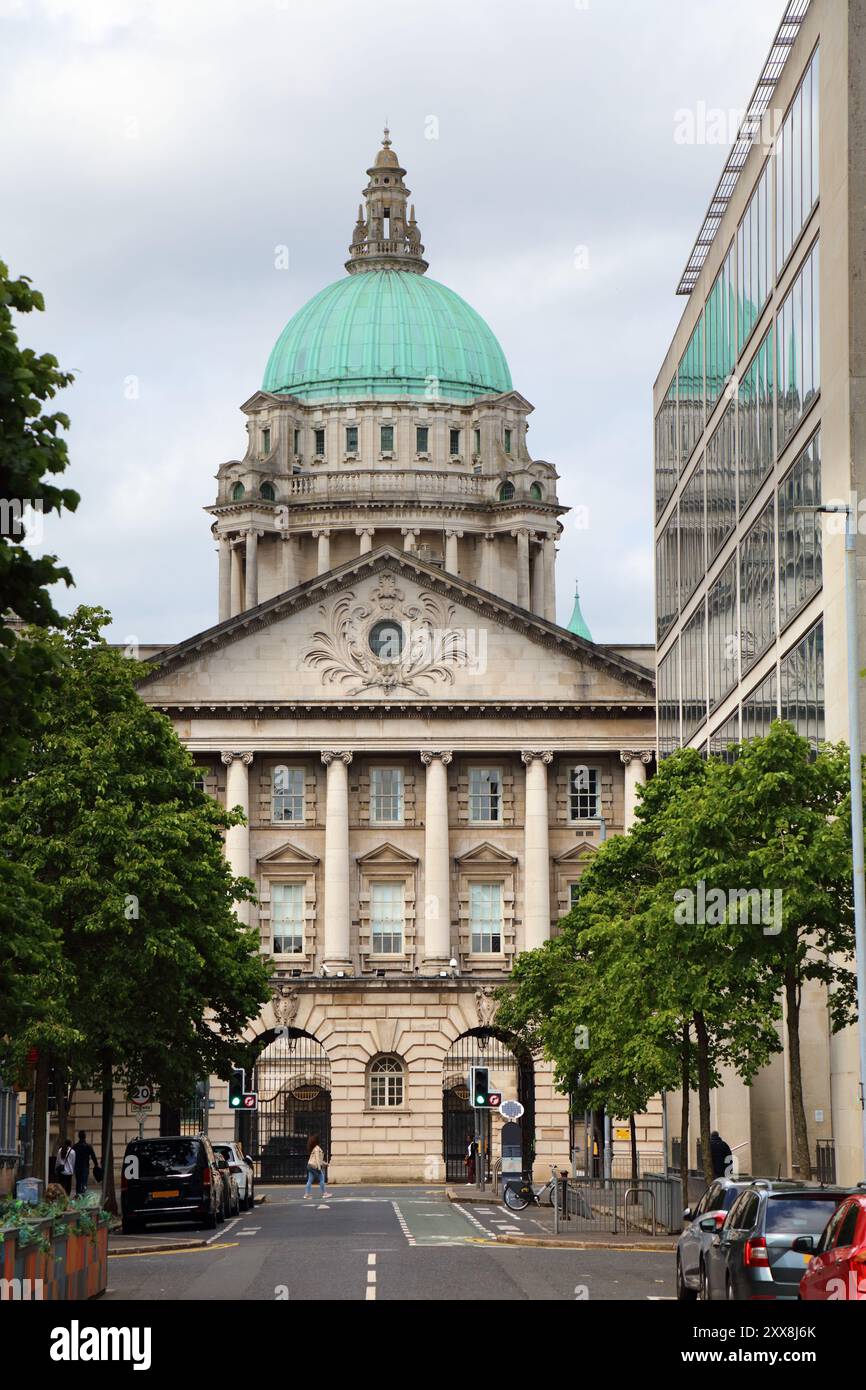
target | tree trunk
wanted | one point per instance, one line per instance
(40, 1118)
(704, 1094)
(633, 1136)
(109, 1196)
(597, 1160)
(686, 1084)
(798, 1109)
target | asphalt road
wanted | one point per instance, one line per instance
(369, 1244)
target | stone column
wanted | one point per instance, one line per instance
(636, 765)
(452, 562)
(366, 533)
(489, 574)
(251, 583)
(537, 597)
(324, 557)
(289, 555)
(225, 553)
(338, 920)
(550, 578)
(536, 867)
(237, 580)
(237, 845)
(522, 536)
(437, 862)
(410, 535)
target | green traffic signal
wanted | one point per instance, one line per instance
(237, 1086)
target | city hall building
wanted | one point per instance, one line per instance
(760, 415)
(426, 759)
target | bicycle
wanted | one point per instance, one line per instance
(519, 1193)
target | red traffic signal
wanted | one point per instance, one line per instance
(494, 1100)
(250, 1100)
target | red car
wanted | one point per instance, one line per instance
(837, 1270)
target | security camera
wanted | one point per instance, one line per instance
(324, 972)
(453, 964)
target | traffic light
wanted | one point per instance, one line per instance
(237, 1086)
(481, 1097)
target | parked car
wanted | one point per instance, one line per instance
(694, 1242)
(837, 1271)
(243, 1170)
(754, 1256)
(231, 1195)
(170, 1178)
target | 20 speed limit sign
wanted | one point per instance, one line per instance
(140, 1095)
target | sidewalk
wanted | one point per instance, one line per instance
(169, 1237)
(571, 1236)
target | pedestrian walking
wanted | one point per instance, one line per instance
(721, 1156)
(84, 1156)
(471, 1156)
(64, 1166)
(315, 1166)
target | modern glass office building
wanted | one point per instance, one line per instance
(760, 413)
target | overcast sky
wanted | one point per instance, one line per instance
(156, 152)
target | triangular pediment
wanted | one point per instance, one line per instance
(288, 854)
(485, 853)
(386, 854)
(312, 645)
(578, 854)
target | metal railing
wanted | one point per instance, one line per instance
(615, 1206)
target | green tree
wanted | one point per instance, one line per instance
(159, 977)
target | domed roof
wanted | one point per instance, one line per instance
(387, 333)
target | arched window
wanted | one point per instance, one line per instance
(267, 492)
(386, 640)
(506, 492)
(238, 492)
(386, 1083)
(535, 492)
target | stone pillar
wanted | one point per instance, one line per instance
(536, 867)
(522, 536)
(225, 601)
(636, 765)
(324, 557)
(338, 920)
(537, 597)
(237, 845)
(437, 862)
(237, 579)
(489, 574)
(251, 582)
(550, 578)
(289, 556)
(366, 533)
(410, 535)
(452, 563)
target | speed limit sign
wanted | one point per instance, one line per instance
(140, 1095)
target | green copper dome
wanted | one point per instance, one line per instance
(387, 333)
(577, 625)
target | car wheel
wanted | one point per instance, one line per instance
(704, 1291)
(684, 1293)
(209, 1222)
(221, 1212)
(729, 1290)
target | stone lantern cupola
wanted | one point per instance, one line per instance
(386, 236)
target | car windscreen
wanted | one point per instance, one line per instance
(169, 1156)
(730, 1196)
(799, 1216)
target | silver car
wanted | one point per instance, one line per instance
(242, 1171)
(694, 1243)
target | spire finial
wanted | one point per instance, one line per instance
(386, 138)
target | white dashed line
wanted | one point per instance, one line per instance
(474, 1219)
(403, 1224)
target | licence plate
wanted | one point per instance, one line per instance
(171, 1192)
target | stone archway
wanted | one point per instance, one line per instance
(511, 1069)
(292, 1077)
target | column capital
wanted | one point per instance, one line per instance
(644, 755)
(365, 530)
(228, 758)
(445, 756)
(458, 534)
(331, 755)
(519, 531)
(321, 531)
(410, 530)
(531, 755)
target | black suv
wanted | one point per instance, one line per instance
(172, 1178)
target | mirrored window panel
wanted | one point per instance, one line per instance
(760, 709)
(796, 160)
(754, 258)
(667, 467)
(725, 739)
(694, 674)
(755, 422)
(690, 394)
(721, 484)
(798, 349)
(720, 316)
(692, 534)
(722, 637)
(669, 702)
(757, 589)
(667, 584)
(802, 686)
(800, 555)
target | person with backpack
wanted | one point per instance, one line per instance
(64, 1166)
(84, 1156)
(315, 1167)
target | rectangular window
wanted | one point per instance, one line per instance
(720, 331)
(287, 795)
(800, 552)
(754, 258)
(508, 441)
(725, 739)
(477, 435)
(266, 441)
(694, 674)
(760, 709)
(667, 578)
(690, 394)
(802, 685)
(485, 918)
(573, 894)
(287, 919)
(584, 793)
(755, 422)
(386, 918)
(721, 484)
(757, 588)
(798, 365)
(722, 634)
(320, 444)
(386, 439)
(796, 158)
(692, 534)
(454, 444)
(669, 703)
(422, 439)
(485, 795)
(386, 795)
(351, 439)
(666, 456)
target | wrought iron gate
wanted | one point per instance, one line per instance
(512, 1070)
(293, 1079)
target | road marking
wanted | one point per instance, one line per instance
(192, 1250)
(371, 1259)
(371, 1293)
(474, 1219)
(404, 1226)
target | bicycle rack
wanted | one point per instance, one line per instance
(645, 1191)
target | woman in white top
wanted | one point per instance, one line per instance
(315, 1166)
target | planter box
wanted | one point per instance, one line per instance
(75, 1267)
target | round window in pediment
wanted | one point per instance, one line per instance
(386, 640)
